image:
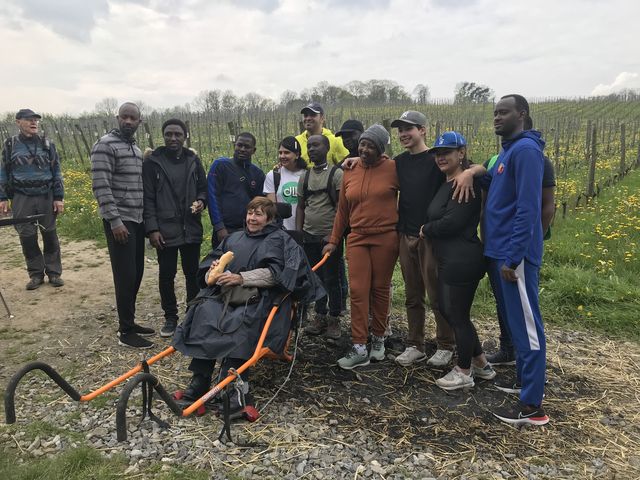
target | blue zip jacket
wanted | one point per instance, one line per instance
(230, 187)
(511, 224)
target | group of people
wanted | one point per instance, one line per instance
(328, 194)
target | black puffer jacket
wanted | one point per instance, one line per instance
(163, 211)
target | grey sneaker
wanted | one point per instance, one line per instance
(317, 326)
(455, 380)
(441, 358)
(169, 327)
(486, 373)
(502, 357)
(377, 349)
(410, 356)
(353, 359)
(34, 283)
(56, 281)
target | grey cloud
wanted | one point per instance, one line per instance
(70, 18)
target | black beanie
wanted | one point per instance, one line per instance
(175, 121)
(291, 144)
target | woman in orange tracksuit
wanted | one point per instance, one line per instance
(368, 204)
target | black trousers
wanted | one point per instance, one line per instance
(455, 305)
(127, 265)
(329, 273)
(168, 266)
(203, 366)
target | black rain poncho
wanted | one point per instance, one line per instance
(207, 333)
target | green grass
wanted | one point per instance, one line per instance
(78, 464)
(589, 278)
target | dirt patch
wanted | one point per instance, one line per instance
(335, 422)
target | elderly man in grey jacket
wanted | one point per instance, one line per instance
(116, 171)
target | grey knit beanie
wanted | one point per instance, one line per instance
(378, 135)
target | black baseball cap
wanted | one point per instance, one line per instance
(313, 107)
(350, 126)
(410, 117)
(27, 113)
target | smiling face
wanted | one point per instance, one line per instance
(173, 137)
(449, 160)
(412, 136)
(313, 122)
(28, 126)
(287, 159)
(244, 148)
(368, 151)
(256, 220)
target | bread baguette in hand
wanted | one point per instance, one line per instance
(215, 272)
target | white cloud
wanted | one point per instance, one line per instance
(623, 81)
(164, 52)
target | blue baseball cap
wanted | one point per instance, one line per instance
(449, 140)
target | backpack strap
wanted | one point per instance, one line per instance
(333, 194)
(276, 180)
(305, 187)
(329, 190)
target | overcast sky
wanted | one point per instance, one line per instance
(63, 56)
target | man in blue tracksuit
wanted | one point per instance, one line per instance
(231, 184)
(513, 246)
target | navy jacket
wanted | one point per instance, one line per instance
(511, 224)
(231, 186)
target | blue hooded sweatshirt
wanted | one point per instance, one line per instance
(512, 226)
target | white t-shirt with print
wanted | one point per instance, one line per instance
(287, 192)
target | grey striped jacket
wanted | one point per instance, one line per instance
(116, 179)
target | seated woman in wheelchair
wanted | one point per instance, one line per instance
(226, 318)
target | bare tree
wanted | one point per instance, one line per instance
(421, 93)
(108, 106)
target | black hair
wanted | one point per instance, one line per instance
(249, 136)
(521, 102)
(326, 142)
(528, 123)
(175, 121)
(130, 104)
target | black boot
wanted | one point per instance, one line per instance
(200, 384)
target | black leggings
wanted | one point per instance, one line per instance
(205, 367)
(455, 305)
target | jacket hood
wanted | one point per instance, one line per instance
(164, 151)
(534, 135)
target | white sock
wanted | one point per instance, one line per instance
(360, 348)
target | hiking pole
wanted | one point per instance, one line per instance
(6, 307)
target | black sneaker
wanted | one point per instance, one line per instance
(144, 331)
(133, 340)
(169, 327)
(508, 386)
(34, 283)
(522, 415)
(199, 385)
(502, 357)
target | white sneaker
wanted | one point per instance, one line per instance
(441, 358)
(455, 380)
(486, 373)
(410, 356)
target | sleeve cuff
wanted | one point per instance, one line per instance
(115, 223)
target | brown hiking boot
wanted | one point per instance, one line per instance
(317, 326)
(333, 328)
